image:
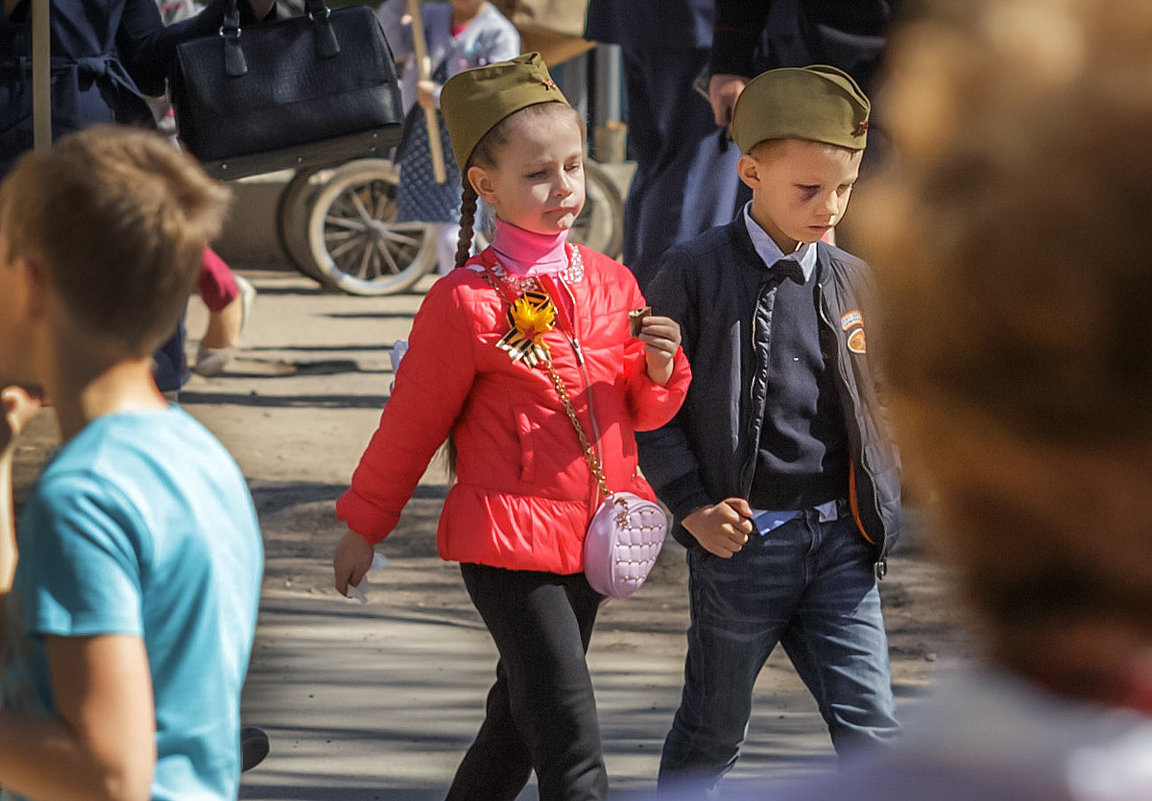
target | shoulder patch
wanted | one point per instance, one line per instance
(856, 342)
(849, 319)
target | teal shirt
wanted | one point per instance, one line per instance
(142, 525)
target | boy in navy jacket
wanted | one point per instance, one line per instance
(778, 468)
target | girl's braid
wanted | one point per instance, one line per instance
(467, 219)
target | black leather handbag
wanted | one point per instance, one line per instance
(306, 91)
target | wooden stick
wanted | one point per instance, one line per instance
(424, 67)
(41, 75)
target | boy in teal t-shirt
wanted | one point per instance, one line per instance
(130, 617)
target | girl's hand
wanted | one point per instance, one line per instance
(661, 338)
(351, 561)
(17, 407)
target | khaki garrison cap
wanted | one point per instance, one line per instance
(817, 103)
(475, 100)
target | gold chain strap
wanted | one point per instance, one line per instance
(589, 454)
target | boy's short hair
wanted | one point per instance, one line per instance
(817, 103)
(766, 150)
(1013, 257)
(119, 218)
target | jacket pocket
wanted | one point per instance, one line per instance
(528, 435)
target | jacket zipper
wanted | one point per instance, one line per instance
(749, 465)
(574, 340)
(859, 434)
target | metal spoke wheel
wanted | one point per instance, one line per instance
(292, 220)
(338, 227)
(353, 240)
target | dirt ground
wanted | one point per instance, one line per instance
(378, 701)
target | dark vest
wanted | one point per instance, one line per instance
(803, 452)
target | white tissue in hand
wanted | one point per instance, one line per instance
(360, 591)
(395, 355)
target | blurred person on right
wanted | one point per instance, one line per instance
(1013, 257)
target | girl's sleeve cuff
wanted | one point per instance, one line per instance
(365, 519)
(660, 402)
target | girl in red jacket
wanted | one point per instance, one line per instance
(517, 515)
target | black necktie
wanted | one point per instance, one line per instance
(789, 268)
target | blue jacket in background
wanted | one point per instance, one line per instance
(106, 55)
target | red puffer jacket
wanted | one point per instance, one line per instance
(524, 495)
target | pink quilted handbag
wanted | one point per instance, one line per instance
(623, 541)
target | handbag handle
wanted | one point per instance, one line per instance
(235, 65)
(590, 457)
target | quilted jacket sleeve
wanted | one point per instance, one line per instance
(432, 384)
(651, 404)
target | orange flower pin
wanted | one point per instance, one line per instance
(531, 316)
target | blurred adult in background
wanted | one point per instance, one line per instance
(106, 56)
(228, 297)
(685, 180)
(750, 36)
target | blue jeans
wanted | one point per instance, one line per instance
(808, 585)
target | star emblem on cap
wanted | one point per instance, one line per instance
(549, 83)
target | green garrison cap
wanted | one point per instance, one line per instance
(475, 100)
(818, 103)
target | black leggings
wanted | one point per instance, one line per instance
(541, 714)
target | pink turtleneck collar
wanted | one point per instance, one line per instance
(527, 253)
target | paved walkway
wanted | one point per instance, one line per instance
(378, 703)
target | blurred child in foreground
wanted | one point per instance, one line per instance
(130, 615)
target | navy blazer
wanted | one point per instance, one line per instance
(651, 24)
(751, 36)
